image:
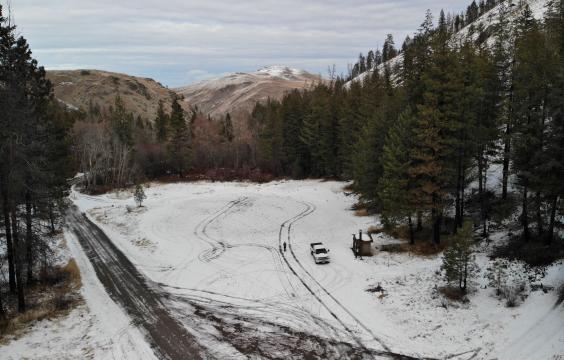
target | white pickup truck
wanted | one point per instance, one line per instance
(320, 253)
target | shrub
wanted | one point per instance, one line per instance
(560, 295)
(453, 293)
(497, 275)
(73, 273)
(513, 294)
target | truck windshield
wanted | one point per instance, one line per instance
(320, 251)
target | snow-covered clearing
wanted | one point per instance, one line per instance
(220, 243)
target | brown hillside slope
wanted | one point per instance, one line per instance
(80, 88)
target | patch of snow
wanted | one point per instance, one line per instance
(251, 78)
(280, 71)
(68, 105)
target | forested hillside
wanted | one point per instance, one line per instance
(479, 22)
(423, 142)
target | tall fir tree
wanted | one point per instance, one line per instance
(161, 123)
(180, 140)
(395, 184)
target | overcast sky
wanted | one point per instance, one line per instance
(182, 41)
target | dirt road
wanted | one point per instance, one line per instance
(141, 299)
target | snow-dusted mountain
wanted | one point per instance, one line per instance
(486, 23)
(238, 92)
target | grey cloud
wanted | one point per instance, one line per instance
(183, 41)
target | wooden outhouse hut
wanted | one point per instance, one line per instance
(362, 246)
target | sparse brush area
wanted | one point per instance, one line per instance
(514, 268)
(422, 246)
(534, 253)
(362, 209)
(453, 293)
(54, 295)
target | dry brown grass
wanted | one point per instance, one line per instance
(16, 324)
(402, 232)
(55, 296)
(423, 245)
(427, 248)
(219, 175)
(421, 248)
(361, 212)
(73, 273)
(349, 188)
(375, 230)
(394, 248)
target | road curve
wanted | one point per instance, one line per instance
(136, 294)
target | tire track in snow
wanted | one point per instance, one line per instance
(217, 248)
(220, 246)
(310, 208)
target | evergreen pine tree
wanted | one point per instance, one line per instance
(551, 171)
(34, 139)
(459, 264)
(370, 60)
(395, 185)
(179, 146)
(161, 124)
(389, 50)
(139, 195)
(226, 130)
(529, 83)
(122, 122)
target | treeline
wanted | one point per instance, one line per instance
(116, 149)
(420, 144)
(374, 59)
(473, 12)
(454, 23)
(35, 164)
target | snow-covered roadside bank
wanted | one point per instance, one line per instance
(112, 333)
(96, 329)
(218, 243)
